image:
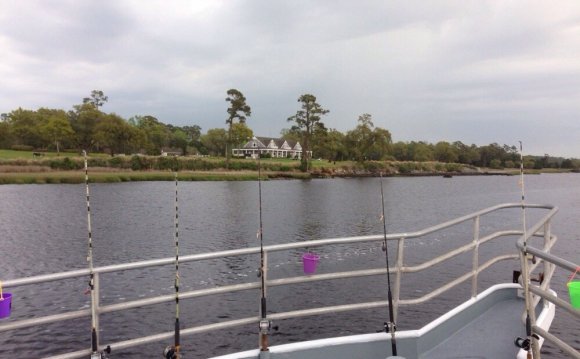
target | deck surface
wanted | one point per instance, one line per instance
(491, 335)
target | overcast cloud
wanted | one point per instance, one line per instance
(474, 71)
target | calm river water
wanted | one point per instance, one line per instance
(43, 230)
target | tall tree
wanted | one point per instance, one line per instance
(307, 120)
(238, 110)
(157, 133)
(193, 136)
(83, 120)
(26, 127)
(116, 135)
(360, 139)
(57, 128)
(445, 152)
(5, 133)
(382, 144)
(241, 134)
(214, 141)
(179, 140)
(96, 99)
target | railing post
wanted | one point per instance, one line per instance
(548, 267)
(475, 256)
(399, 267)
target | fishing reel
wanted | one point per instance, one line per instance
(265, 326)
(102, 355)
(524, 344)
(170, 352)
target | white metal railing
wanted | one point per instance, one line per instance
(398, 271)
(543, 257)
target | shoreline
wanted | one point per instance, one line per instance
(111, 176)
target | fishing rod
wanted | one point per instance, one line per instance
(173, 352)
(527, 344)
(95, 354)
(390, 327)
(265, 324)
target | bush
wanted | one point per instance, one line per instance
(97, 162)
(21, 148)
(405, 167)
(495, 164)
(168, 163)
(116, 162)
(139, 163)
(452, 167)
(66, 164)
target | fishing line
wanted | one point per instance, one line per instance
(172, 352)
(265, 324)
(390, 326)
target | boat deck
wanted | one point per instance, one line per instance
(490, 335)
(483, 327)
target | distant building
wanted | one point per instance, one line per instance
(275, 147)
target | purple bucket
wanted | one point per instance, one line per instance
(309, 261)
(5, 305)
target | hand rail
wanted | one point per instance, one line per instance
(398, 270)
(541, 292)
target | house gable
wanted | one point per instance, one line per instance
(254, 143)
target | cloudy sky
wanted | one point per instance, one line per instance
(474, 71)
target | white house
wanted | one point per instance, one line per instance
(276, 147)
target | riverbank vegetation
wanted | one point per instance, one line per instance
(106, 169)
(52, 140)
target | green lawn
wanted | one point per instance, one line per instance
(11, 154)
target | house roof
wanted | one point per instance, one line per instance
(270, 142)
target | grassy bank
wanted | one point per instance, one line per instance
(18, 167)
(114, 177)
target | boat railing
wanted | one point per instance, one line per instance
(536, 258)
(540, 229)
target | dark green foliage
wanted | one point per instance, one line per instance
(140, 163)
(93, 162)
(66, 164)
(406, 167)
(168, 163)
(21, 148)
(116, 162)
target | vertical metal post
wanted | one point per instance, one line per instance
(399, 266)
(475, 257)
(547, 242)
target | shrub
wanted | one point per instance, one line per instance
(66, 164)
(116, 162)
(139, 163)
(452, 167)
(405, 167)
(21, 148)
(168, 163)
(495, 164)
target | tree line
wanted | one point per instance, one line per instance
(86, 126)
